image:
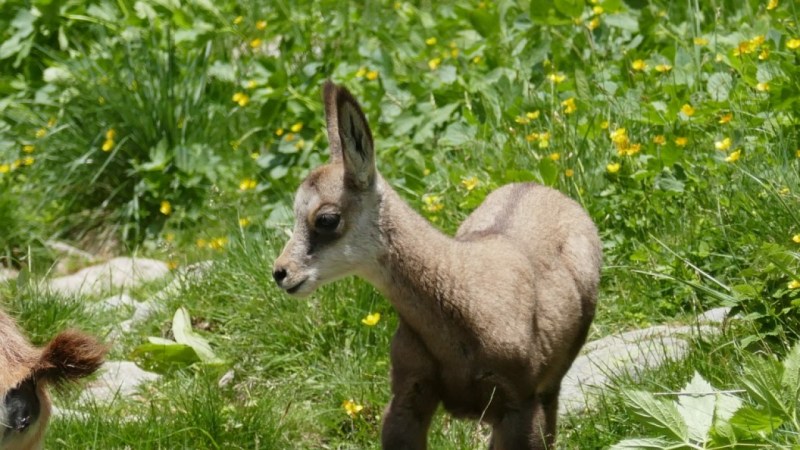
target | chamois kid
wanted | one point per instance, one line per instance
(490, 320)
(26, 372)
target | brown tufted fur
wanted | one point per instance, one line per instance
(69, 356)
(490, 320)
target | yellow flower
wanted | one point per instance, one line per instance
(238, 20)
(40, 133)
(744, 48)
(252, 84)
(247, 184)
(279, 132)
(201, 243)
(372, 75)
(719, 57)
(663, 68)
(244, 221)
(613, 168)
(172, 264)
(297, 127)
(454, 53)
(554, 156)
(681, 141)
(28, 160)
(764, 54)
(544, 139)
(255, 43)
(522, 120)
(532, 115)
(469, 183)
(51, 122)
(796, 238)
(659, 139)
(351, 408)
(431, 41)
(166, 208)
(633, 149)
(434, 63)
(725, 118)
(476, 59)
(241, 98)
(433, 203)
(758, 40)
(762, 87)
(569, 173)
(723, 144)
(604, 125)
(218, 243)
(700, 41)
(261, 24)
(372, 319)
(289, 137)
(111, 134)
(108, 145)
(5, 168)
(28, 148)
(687, 109)
(639, 64)
(361, 72)
(556, 77)
(597, 10)
(619, 136)
(594, 23)
(797, 153)
(784, 191)
(569, 105)
(533, 137)
(733, 157)
(772, 4)
(794, 284)
(793, 44)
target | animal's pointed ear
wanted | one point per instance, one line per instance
(355, 140)
(329, 98)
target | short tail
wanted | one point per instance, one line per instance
(69, 356)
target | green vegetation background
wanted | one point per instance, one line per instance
(179, 131)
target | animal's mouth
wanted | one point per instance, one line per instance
(296, 287)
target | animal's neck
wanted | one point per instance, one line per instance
(417, 271)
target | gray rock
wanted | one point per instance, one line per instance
(7, 274)
(118, 273)
(716, 315)
(118, 379)
(625, 354)
(116, 302)
(183, 277)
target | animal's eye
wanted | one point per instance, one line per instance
(327, 222)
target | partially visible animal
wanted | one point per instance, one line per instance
(26, 374)
(490, 320)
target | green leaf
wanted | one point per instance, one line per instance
(645, 443)
(749, 423)
(571, 8)
(719, 86)
(661, 416)
(161, 355)
(546, 12)
(548, 169)
(182, 330)
(697, 407)
(457, 134)
(624, 21)
(790, 379)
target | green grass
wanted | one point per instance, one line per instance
(448, 89)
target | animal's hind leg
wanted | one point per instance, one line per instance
(532, 427)
(414, 394)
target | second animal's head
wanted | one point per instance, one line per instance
(26, 373)
(336, 206)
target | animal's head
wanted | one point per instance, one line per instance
(336, 207)
(26, 373)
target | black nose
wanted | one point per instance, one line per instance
(279, 275)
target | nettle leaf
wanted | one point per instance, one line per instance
(182, 330)
(726, 407)
(719, 86)
(647, 443)
(749, 423)
(697, 407)
(661, 416)
(790, 379)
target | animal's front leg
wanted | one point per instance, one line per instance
(532, 427)
(414, 394)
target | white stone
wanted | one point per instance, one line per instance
(716, 315)
(116, 302)
(7, 274)
(117, 379)
(118, 273)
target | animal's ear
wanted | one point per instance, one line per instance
(69, 356)
(329, 98)
(355, 140)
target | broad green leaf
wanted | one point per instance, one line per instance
(548, 169)
(763, 382)
(546, 12)
(661, 416)
(696, 406)
(571, 8)
(790, 380)
(182, 330)
(726, 407)
(161, 355)
(624, 21)
(457, 134)
(666, 182)
(749, 422)
(643, 443)
(719, 86)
